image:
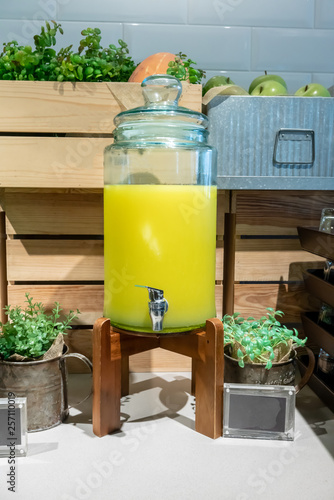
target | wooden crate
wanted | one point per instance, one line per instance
(269, 260)
(52, 138)
(52, 135)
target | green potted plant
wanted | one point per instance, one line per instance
(91, 62)
(32, 360)
(261, 351)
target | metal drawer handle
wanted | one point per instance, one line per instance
(289, 134)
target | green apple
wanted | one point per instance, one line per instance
(269, 88)
(231, 90)
(265, 78)
(223, 90)
(216, 81)
(313, 90)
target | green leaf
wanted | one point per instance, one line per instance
(240, 354)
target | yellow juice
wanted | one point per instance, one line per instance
(162, 236)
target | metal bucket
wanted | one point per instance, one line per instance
(44, 384)
(256, 373)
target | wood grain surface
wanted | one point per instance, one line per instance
(79, 107)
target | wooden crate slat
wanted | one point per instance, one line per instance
(79, 107)
(219, 263)
(264, 230)
(253, 299)
(159, 360)
(87, 298)
(70, 162)
(54, 260)
(60, 260)
(279, 213)
(222, 207)
(2, 200)
(60, 162)
(272, 260)
(219, 300)
(54, 213)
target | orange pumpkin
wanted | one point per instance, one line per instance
(156, 64)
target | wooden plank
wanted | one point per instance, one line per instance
(74, 162)
(50, 190)
(3, 268)
(87, 298)
(61, 212)
(272, 260)
(79, 107)
(54, 213)
(279, 213)
(55, 260)
(106, 382)
(222, 208)
(219, 263)
(209, 382)
(159, 360)
(229, 263)
(60, 162)
(219, 300)
(2, 200)
(253, 299)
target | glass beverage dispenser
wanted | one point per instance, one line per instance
(160, 200)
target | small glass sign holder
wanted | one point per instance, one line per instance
(259, 411)
(13, 426)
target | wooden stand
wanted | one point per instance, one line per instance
(112, 348)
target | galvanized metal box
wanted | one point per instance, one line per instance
(273, 142)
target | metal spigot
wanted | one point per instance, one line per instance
(158, 306)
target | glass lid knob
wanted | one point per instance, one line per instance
(161, 90)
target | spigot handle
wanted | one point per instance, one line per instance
(158, 306)
(153, 293)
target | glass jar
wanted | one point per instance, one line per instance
(160, 200)
(325, 367)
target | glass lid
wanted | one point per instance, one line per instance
(161, 95)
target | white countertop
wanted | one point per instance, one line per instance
(158, 455)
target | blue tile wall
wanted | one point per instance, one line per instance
(240, 38)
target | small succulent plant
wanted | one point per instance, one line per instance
(259, 341)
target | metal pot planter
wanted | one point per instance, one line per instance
(255, 373)
(44, 384)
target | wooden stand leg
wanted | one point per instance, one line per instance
(193, 376)
(125, 375)
(229, 264)
(209, 381)
(106, 381)
(3, 267)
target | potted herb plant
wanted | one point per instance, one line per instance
(32, 361)
(261, 351)
(91, 62)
